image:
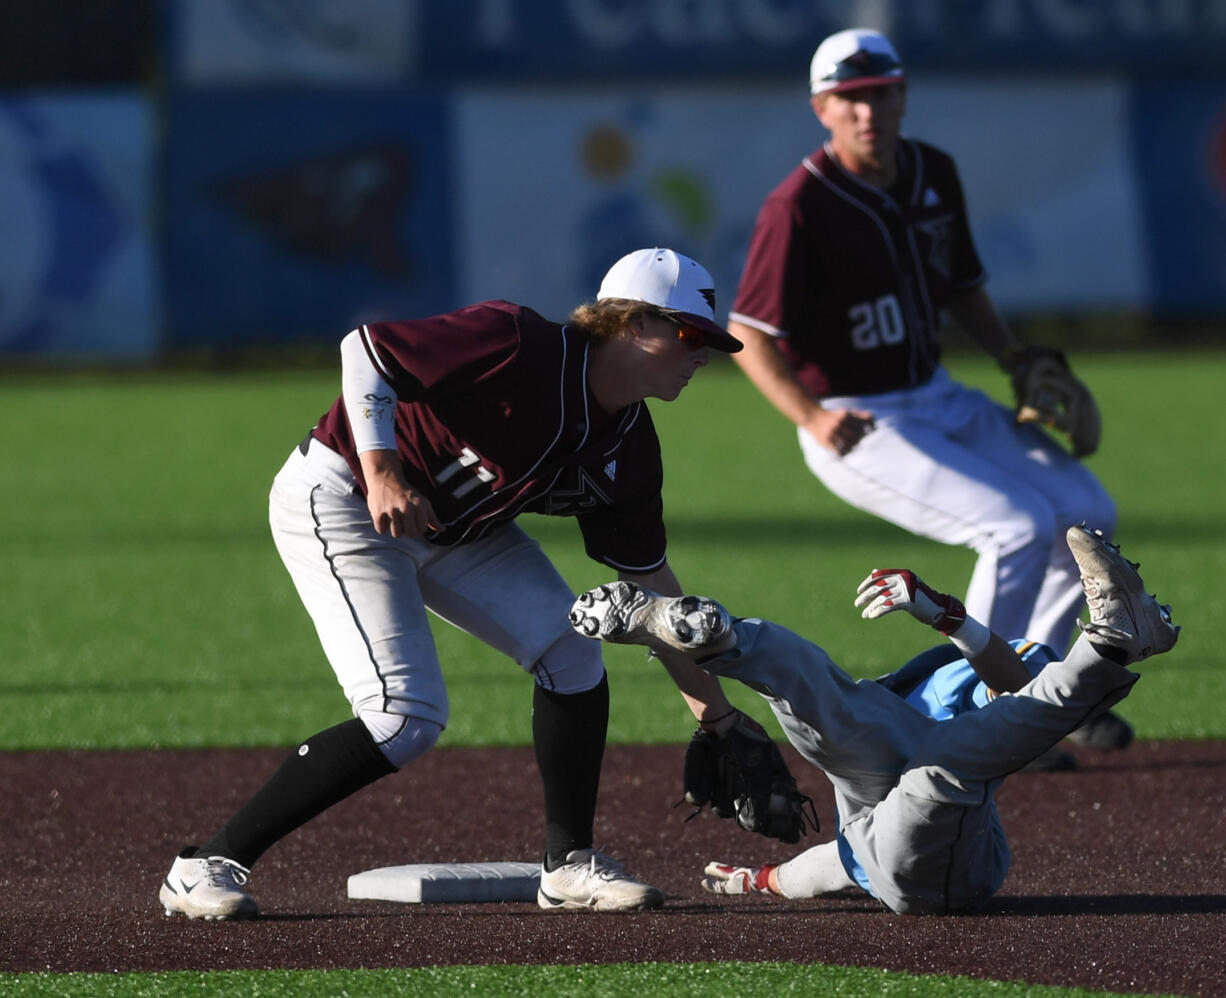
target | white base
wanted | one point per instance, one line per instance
(455, 882)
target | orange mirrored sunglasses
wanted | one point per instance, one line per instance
(691, 336)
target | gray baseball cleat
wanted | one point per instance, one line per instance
(629, 614)
(206, 887)
(1122, 614)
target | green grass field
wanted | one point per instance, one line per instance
(141, 581)
(144, 604)
(757, 980)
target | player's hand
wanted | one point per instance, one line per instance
(402, 513)
(395, 507)
(889, 589)
(840, 430)
(398, 510)
(722, 878)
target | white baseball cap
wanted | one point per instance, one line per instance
(673, 283)
(857, 57)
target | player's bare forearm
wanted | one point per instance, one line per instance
(771, 374)
(394, 507)
(838, 430)
(701, 691)
(890, 590)
(999, 666)
(977, 316)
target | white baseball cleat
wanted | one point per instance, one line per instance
(207, 887)
(629, 614)
(590, 880)
(1122, 614)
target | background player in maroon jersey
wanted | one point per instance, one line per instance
(854, 258)
(403, 499)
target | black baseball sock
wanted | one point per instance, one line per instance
(322, 771)
(568, 734)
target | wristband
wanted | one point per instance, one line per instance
(971, 638)
(716, 720)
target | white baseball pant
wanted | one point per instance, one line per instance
(368, 595)
(948, 463)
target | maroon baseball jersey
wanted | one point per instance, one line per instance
(495, 418)
(853, 279)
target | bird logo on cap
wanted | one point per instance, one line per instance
(861, 59)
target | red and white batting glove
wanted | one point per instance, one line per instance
(890, 589)
(724, 879)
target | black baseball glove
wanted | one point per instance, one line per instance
(742, 775)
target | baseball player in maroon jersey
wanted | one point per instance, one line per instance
(854, 259)
(403, 499)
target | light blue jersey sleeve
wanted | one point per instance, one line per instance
(956, 687)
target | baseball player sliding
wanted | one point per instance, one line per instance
(403, 500)
(855, 258)
(915, 774)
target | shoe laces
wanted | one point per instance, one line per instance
(606, 867)
(1093, 586)
(223, 872)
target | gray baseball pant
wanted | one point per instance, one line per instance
(916, 797)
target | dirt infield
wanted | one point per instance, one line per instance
(1118, 881)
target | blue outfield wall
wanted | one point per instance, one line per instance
(585, 174)
(78, 270)
(1179, 145)
(466, 41)
(295, 214)
(303, 167)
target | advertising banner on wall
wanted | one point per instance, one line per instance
(465, 42)
(1053, 194)
(552, 189)
(302, 214)
(1180, 135)
(237, 42)
(470, 41)
(77, 271)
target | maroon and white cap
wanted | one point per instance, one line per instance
(673, 283)
(857, 57)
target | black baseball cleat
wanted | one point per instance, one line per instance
(1106, 732)
(1122, 614)
(1054, 760)
(629, 614)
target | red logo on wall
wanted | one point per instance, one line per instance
(1215, 154)
(333, 208)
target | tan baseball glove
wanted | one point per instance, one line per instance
(1047, 392)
